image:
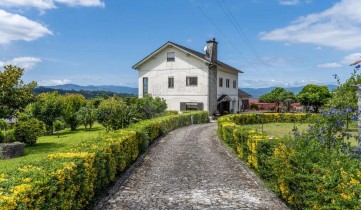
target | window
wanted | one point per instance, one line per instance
(192, 81)
(145, 85)
(220, 82)
(171, 57)
(170, 82)
(234, 83)
(227, 83)
(191, 106)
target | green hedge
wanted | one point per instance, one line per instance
(303, 179)
(70, 180)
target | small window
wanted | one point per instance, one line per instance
(192, 81)
(145, 85)
(234, 83)
(171, 57)
(220, 82)
(170, 82)
(227, 83)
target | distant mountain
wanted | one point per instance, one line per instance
(257, 92)
(111, 88)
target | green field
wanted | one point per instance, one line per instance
(284, 129)
(52, 144)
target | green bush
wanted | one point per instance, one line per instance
(9, 136)
(29, 131)
(311, 171)
(70, 180)
(2, 137)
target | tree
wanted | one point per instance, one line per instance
(71, 105)
(275, 96)
(58, 126)
(150, 107)
(15, 95)
(47, 108)
(287, 98)
(345, 95)
(29, 131)
(314, 95)
(113, 114)
(87, 115)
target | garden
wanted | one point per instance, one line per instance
(74, 147)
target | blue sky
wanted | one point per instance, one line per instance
(96, 42)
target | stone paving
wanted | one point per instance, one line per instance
(190, 169)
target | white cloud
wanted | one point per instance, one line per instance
(351, 58)
(289, 2)
(50, 4)
(189, 40)
(24, 62)
(14, 27)
(329, 65)
(337, 27)
(54, 82)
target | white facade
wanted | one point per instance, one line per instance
(156, 73)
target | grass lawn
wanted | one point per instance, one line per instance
(51, 144)
(283, 129)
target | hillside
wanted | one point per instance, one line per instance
(111, 88)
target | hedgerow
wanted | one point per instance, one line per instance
(313, 170)
(70, 180)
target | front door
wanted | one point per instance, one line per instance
(223, 107)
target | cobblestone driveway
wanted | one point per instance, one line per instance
(190, 169)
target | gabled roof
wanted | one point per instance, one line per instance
(243, 94)
(224, 98)
(187, 50)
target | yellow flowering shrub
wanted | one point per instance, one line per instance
(70, 180)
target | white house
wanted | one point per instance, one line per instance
(189, 80)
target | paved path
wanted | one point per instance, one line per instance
(190, 169)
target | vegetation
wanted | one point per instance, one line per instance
(69, 180)
(315, 169)
(14, 93)
(279, 95)
(71, 105)
(88, 94)
(29, 131)
(345, 95)
(87, 116)
(314, 95)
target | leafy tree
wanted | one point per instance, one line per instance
(345, 95)
(287, 98)
(4, 125)
(58, 126)
(277, 96)
(314, 95)
(47, 108)
(71, 105)
(150, 107)
(15, 95)
(113, 114)
(29, 131)
(87, 115)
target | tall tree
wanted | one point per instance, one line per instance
(71, 105)
(47, 108)
(15, 95)
(314, 95)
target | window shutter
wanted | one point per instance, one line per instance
(183, 106)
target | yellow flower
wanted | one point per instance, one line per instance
(346, 196)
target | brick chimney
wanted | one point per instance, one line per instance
(211, 51)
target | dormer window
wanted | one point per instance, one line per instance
(170, 56)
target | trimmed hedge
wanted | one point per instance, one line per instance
(322, 181)
(70, 180)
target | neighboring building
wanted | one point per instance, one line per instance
(189, 80)
(244, 98)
